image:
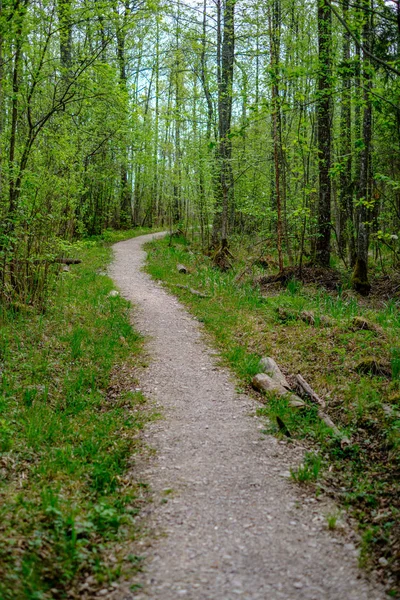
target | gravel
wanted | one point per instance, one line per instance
(226, 521)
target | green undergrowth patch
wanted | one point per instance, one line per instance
(327, 349)
(70, 417)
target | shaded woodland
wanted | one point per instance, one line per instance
(271, 118)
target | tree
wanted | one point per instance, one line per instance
(224, 177)
(324, 125)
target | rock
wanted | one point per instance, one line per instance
(66, 269)
(182, 269)
(388, 410)
(371, 366)
(285, 474)
(296, 403)
(268, 365)
(383, 561)
(264, 383)
(113, 294)
(102, 592)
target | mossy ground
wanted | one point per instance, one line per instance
(245, 325)
(70, 417)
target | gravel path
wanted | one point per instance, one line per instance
(230, 524)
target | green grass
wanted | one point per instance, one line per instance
(309, 471)
(245, 325)
(69, 422)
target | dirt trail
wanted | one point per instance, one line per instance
(234, 526)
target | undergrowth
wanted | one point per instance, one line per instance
(70, 415)
(247, 324)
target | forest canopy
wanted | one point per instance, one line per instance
(272, 117)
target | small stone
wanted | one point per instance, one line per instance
(351, 547)
(103, 592)
(383, 561)
(113, 294)
(298, 585)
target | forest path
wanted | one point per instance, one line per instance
(233, 525)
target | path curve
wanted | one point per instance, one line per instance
(234, 526)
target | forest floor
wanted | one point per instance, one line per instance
(229, 518)
(71, 414)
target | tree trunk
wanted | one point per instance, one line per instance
(346, 240)
(324, 123)
(224, 177)
(125, 207)
(274, 63)
(360, 274)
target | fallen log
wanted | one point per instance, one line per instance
(182, 269)
(191, 290)
(307, 389)
(57, 261)
(68, 261)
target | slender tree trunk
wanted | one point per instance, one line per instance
(224, 183)
(274, 63)
(125, 204)
(346, 240)
(360, 273)
(324, 120)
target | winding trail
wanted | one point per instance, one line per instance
(234, 526)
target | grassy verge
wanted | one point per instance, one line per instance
(246, 325)
(70, 413)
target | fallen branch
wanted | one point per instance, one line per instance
(58, 261)
(182, 269)
(191, 290)
(307, 389)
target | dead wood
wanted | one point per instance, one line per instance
(191, 290)
(307, 389)
(221, 258)
(182, 269)
(282, 427)
(264, 383)
(58, 261)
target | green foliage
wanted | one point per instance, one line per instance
(67, 436)
(310, 469)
